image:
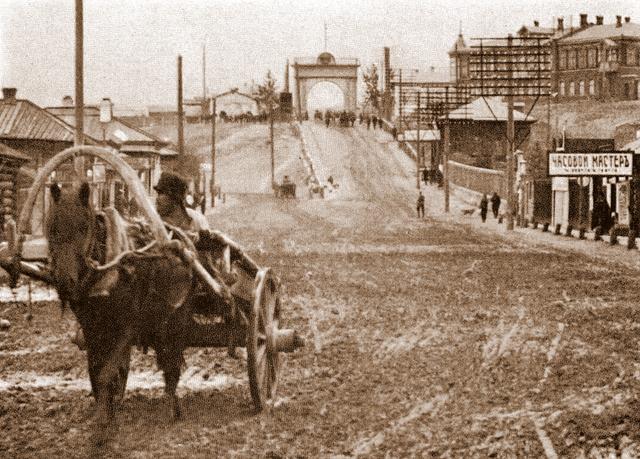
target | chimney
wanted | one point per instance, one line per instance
(627, 19)
(561, 24)
(9, 95)
(536, 24)
(599, 20)
(583, 21)
(618, 21)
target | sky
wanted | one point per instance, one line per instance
(131, 46)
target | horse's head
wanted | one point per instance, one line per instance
(69, 232)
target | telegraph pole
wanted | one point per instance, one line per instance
(180, 110)
(272, 148)
(418, 146)
(400, 99)
(212, 183)
(510, 141)
(445, 154)
(78, 140)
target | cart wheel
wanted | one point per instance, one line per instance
(262, 357)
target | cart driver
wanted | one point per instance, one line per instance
(172, 192)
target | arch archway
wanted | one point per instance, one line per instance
(310, 72)
(325, 95)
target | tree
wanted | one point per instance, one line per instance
(266, 93)
(372, 93)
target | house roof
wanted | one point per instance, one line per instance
(459, 46)
(116, 131)
(536, 30)
(10, 153)
(487, 109)
(128, 137)
(426, 135)
(635, 146)
(169, 109)
(22, 119)
(601, 32)
(236, 92)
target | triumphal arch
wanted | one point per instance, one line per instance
(311, 71)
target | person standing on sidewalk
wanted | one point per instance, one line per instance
(495, 204)
(420, 205)
(484, 206)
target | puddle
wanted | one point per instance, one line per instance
(137, 380)
(21, 293)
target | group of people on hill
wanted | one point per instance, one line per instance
(242, 118)
(344, 118)
(347, 118)
(371, 120)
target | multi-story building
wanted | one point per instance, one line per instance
(599, 61)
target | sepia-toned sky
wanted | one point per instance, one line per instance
(131, 45)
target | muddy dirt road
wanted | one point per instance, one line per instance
(424, 339)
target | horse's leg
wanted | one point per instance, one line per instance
(109, 376)
(170, 360)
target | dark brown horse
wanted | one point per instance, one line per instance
(146, 301)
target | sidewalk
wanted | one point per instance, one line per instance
(601, 250)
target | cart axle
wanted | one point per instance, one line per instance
(288, 340)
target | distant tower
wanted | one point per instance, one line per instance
(286, 77)
(286, 100)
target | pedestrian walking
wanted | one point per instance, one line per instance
(495, 204)
(394, 133)
(374, 121)
(368, 122)
(420, 205)
(380, 122)
(484, 206)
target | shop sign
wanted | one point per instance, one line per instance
(613, 164)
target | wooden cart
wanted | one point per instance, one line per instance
(247, 313)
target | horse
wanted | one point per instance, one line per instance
(144, 299)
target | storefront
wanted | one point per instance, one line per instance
(592, 189)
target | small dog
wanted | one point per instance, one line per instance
(468, 211)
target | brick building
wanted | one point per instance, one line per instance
(593, 60)
(598, 61)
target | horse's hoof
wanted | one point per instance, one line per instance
(177, 412)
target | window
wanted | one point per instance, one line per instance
(631, 56)
(464, 69)
(572, 89)
(581, 88)
(562, 88)
(626, 91)
(592, 56)
(563, 59)
(592, 88)
(582, 58)
(572, 59)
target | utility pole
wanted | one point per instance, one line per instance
(510, 140)
(79, 107)
(400, 100)
(418, 157)
(212, 183)
(445, 153)
(204, 73)
(273, 182)
(180, 110)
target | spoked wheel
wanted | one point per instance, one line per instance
(262, 355)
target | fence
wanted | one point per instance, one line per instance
(477, 179)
